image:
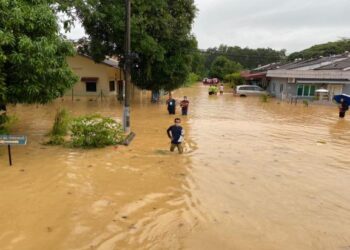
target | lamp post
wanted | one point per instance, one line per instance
(127, 67)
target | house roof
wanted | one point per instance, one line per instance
(108, 61)
(339, 65)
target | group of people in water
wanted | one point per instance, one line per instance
(176, 132)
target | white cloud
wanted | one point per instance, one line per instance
(293, 25)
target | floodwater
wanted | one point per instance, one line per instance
(254, 176)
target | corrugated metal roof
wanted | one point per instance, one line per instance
(341, 65)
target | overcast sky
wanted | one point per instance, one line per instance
(280, 24)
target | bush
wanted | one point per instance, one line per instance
(234, 79)
(265, 98)
(95, 131)
(60, 128)
(6, 122)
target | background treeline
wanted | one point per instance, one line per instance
(223, 60)
(326, 49)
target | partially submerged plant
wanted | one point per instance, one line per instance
(95, 131)
(265, 98)
(6, 123)
(60, 127)
(306, 103)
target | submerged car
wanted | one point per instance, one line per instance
(249, 90)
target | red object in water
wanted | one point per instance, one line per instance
(211, 81)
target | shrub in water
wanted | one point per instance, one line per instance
(265, 98)
(6, 123)
(60, 128)
(95, 131)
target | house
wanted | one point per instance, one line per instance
(258, 76)
(96, 79)
(304, 78)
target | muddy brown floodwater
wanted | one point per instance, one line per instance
(254, 176)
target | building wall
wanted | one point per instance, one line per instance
(346, 89)
(280, 88)
(85, 67)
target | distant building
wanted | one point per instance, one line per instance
(96, 79)
(258, 76)
(304, 78)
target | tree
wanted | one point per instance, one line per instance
(248, 58)
(327, 49)
(161, 36)
(33, 67)
(223, 66)
(234, 79)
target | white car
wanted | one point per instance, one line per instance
(245, 90)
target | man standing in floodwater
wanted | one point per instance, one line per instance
(171, 102)
(343, 107)
(176, 134)
(184, 105)
(221, 89)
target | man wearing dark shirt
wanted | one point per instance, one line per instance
(184, 105)
(171, 102)
(176, 134)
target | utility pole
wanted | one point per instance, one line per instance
(127, 67)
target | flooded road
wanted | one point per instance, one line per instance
(254, 176)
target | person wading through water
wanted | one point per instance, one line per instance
(176, 134)
(171, 102)
(343, 107)
(184, 105)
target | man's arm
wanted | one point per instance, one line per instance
(169, 133)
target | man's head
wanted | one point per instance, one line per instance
(177, 121)
(185, 97)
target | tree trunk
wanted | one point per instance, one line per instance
(155, 96)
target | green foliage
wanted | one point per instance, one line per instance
(6, 123)
(213, 89)
(192, 79)
(161, 36)
(327, 49)
(60, 127)
(198, 64)
(33, 67)
(234, 79)
(265, 98)
(95, 131)
(61, 124)
(248, 58)
(223, 66)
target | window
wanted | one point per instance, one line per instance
(111, 86)
(91, 86)
(273, 87)
(306, 90)
(281, 88)
(300, 90)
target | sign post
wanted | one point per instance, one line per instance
(12, 140)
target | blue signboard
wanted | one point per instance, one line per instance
(13, 140)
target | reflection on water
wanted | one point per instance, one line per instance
(254, 176)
